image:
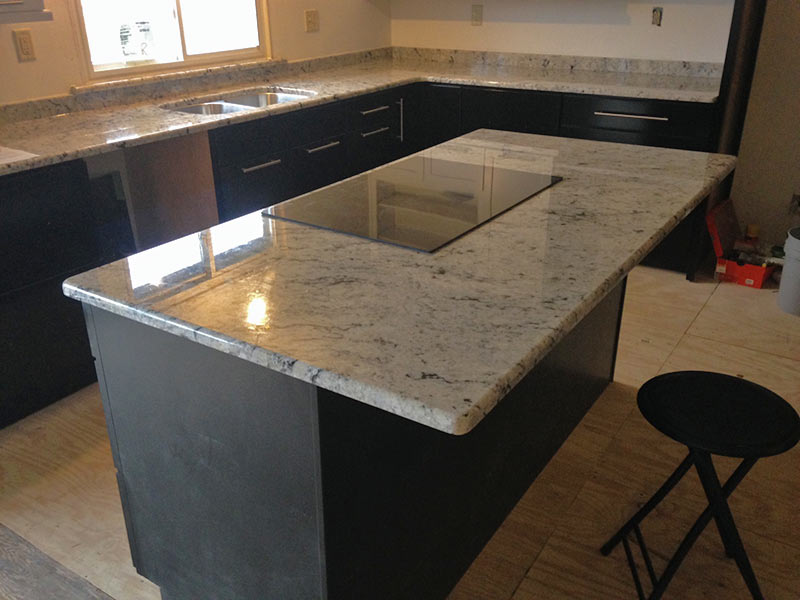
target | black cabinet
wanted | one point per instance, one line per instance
(262, 162)
(376, 124)
(684, 125)
(441, 117)
(668, 124)
(259, 163)
(52, 225)
(510, 110)
(322, 162)
(245, 186)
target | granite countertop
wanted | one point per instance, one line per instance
(437, 338)
(84, 133)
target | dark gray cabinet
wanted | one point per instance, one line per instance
(441, 113)
(52, 226)
(259, 163)
(684, 125)
(510, 110)
(262, 162)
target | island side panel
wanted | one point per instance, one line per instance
(408, 508)
(218, 466)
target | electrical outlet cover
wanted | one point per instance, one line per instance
(477, 14)
(23, 41)
(311, 20)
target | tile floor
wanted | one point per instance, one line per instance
(58, 490)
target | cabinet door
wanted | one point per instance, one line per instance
(442, 113)
(254, 184)
(46, 224)
(414, 128)
(47, 233)
(510, 110)
(685, 125)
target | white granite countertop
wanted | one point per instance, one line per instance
(80, 134)
(437, 338)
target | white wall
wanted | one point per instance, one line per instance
(695, 30)
(768, 172)
(58, 63)
(345, 26)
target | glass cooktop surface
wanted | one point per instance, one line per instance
(421, 202)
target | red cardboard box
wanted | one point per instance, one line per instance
(724, 231)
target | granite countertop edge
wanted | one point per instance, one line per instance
(42, 138)
(385, 399)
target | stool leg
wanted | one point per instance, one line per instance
(722, 514)
(670, 483)
(727, 543)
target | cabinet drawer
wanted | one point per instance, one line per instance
(254, 184)
(651, 122)
(510, 110)
(322, 162)
(370, 149)
(236, 143)
(373, 111)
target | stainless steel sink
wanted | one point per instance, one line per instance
(260, 99)
(243, 101)
(210, 108)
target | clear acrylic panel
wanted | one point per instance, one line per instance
(208, 28)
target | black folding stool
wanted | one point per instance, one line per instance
(710, 413)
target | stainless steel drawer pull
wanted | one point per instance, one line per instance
(600, 113)
(374, 110)
(369, 133)
(270, 163)
(321, 148)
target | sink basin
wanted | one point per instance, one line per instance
(260, 99)
(210, 108)
(243, 101)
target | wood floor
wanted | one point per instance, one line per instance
(58, 490)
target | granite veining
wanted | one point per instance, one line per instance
(559, 61)
(80, 134)
(437, 338)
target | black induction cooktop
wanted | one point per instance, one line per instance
(421, 202)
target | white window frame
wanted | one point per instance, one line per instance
(263, 51)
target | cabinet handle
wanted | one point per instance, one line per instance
(600, 113)
(374, 110)
(270, 163)
(323, 147)
(402, 120)
(369, 133)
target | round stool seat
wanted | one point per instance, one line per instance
(720, 414)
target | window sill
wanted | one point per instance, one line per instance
(188, 73)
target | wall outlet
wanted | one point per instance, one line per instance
(658, 14)
(23, 41)
(477, 14)
(312, 20)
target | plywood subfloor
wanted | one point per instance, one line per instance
(57, 487)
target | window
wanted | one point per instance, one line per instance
(143, 33)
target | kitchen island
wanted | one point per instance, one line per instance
(299, 413)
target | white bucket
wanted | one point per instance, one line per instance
(789, 293)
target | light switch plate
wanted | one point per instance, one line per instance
(23, 42)
(477, 14)
(312, 20)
